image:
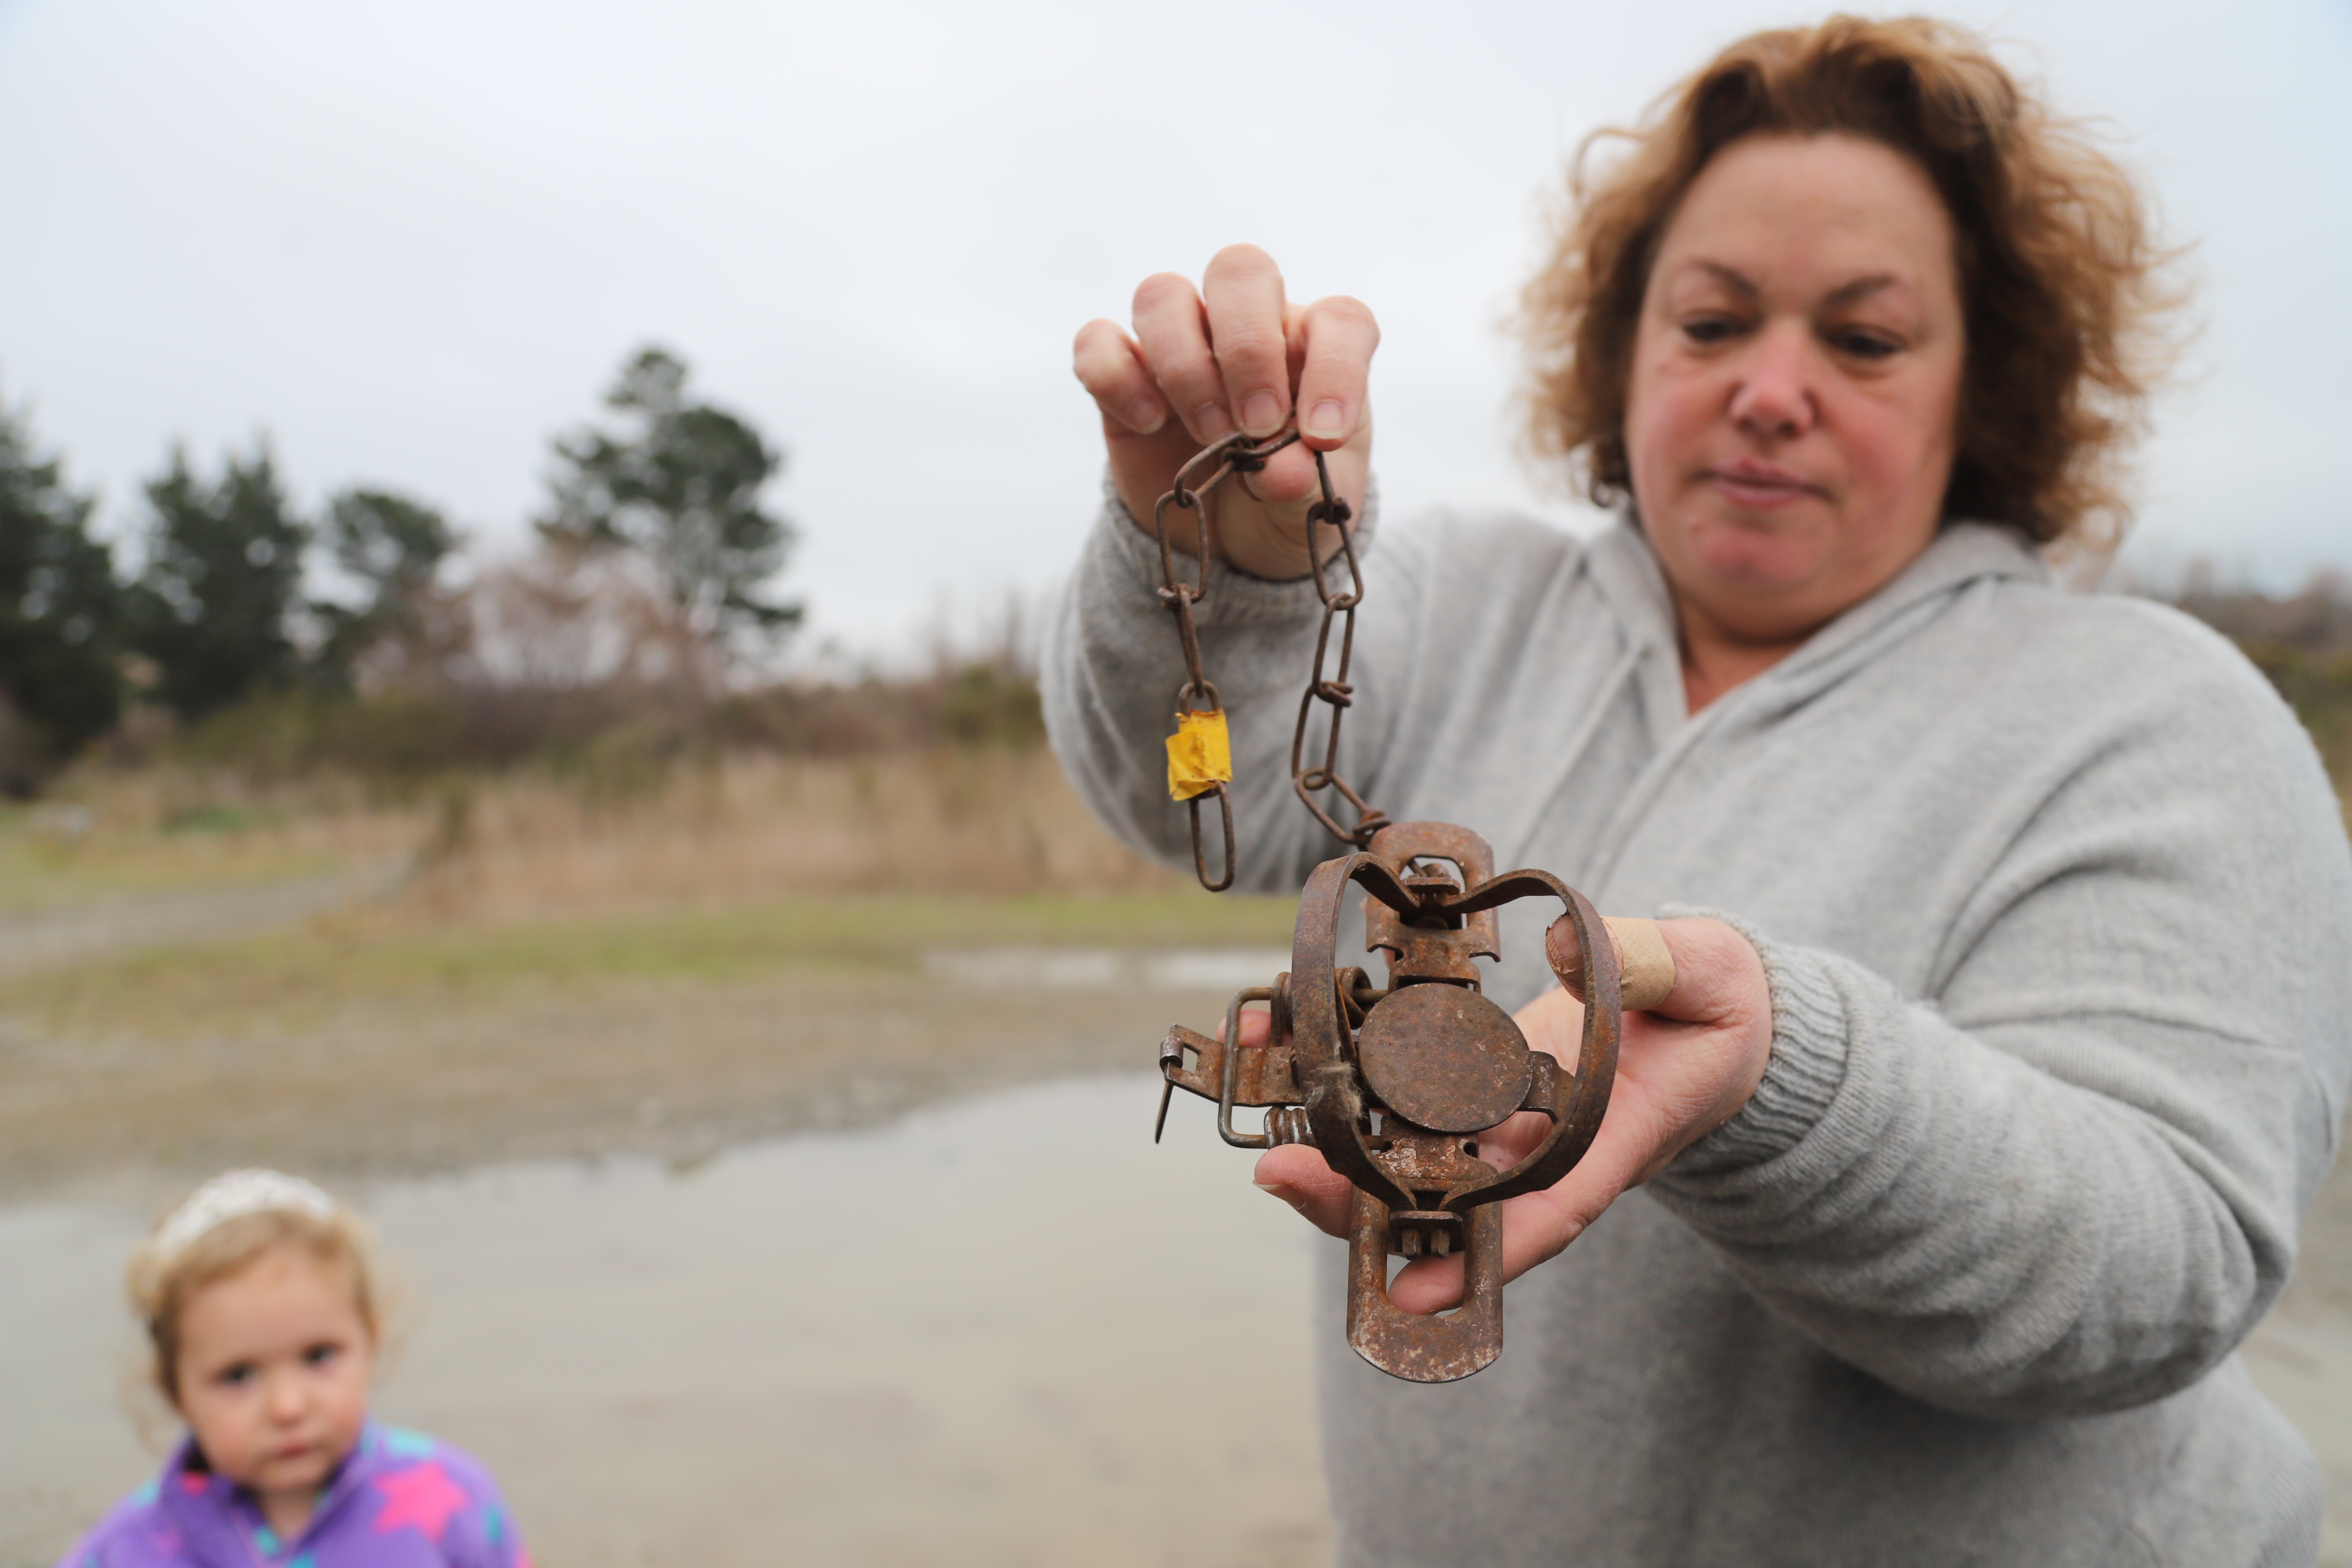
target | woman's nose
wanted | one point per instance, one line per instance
(1774, 397)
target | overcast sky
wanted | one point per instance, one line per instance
(411, 242)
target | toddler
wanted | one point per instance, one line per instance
(260, 1299)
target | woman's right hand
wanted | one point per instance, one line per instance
(1234, 354)
(1684, 1066)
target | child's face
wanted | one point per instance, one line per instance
(273, 1377)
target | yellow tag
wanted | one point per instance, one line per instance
(1200, 754)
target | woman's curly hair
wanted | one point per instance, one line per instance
(2060, 274)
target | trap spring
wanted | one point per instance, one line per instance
(1393, 1086)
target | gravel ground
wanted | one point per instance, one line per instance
(669, 1069)
(388, 1089)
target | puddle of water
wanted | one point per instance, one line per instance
(995, 1333)
(990, 1333)
(1216, 968)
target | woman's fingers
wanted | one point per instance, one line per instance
(1336, 339)
(1554, 1024)
(1719, 978)
(1714, 968)
(1173, 329)
(1537, 1228)
(1234, 354)
(1250, 334)
(1504, 1146)
(1242, 290)
(1682, 1070)
(1230, 355)
(1111, 368)
(1136, 394)
(1299, 1177)
(1293, 1172)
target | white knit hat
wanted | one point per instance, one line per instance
(230, 1195)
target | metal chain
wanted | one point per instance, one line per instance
(1237, 453)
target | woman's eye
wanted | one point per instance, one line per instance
(1709, 329)
(1856, 344)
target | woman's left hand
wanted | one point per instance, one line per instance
(1683, 1069)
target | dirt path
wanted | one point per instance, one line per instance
(86, 932)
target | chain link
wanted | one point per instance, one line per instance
(1336, 693)
(1220, 460)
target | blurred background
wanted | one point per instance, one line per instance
(521, 532)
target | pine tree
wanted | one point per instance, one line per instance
(60, 612)
(680, 487)
(393, 547)
(213, 606)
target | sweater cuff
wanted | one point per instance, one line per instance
(1806, 1067)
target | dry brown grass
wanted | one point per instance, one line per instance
(958, 821)
(989, 823)
(531, 961)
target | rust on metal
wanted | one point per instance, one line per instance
(1431, 947)
(1393, 1086)
(1235, 458)
(1445, 1058)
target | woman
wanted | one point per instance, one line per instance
(2012, 1040)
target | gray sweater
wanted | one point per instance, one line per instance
(2056, 908)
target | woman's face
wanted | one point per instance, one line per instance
(1795, 384)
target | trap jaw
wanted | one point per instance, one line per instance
(1394, 1085)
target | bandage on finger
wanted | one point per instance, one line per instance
(1645, 966)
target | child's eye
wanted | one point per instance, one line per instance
(236, 1375)
(322, 1353)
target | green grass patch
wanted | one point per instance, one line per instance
(44, 865)
(290, 978)
(222, 819)
(2319, 687)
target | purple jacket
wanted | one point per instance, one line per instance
(401, 1500)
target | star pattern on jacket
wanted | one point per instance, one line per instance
(422, 1495)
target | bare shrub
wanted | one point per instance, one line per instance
(2302, 641)
(944, 820)
(2316, 620)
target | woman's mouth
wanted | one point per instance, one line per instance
(1760, 486)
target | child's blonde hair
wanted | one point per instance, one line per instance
(225, 1227)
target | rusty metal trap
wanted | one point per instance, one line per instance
(1394, 1085)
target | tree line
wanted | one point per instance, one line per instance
(655, 561)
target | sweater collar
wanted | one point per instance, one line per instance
(1628, 573)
